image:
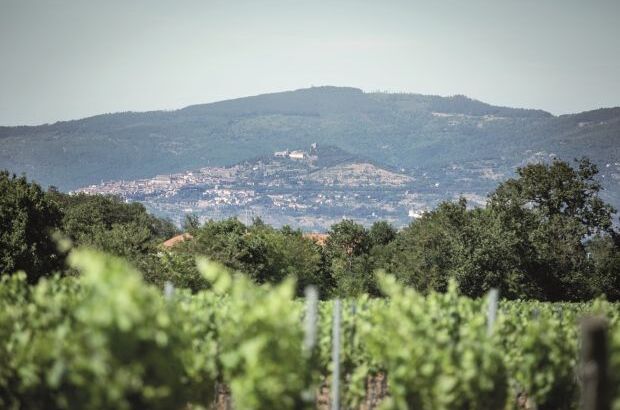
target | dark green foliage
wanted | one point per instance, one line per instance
(428, 252)
(347, 239)
(263, 253)
(111, 225)
(27, 222)
(191, 223)
(381, 233)
(347, 254)
(604, 254)
(469, 245)
(226, 242)
(178, 268)
(495, 259)
(556, 189)
(554, 208)
(545, 234)
(530, 241)
(85, 216)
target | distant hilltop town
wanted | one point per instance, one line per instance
(310, 188)
(307, 188)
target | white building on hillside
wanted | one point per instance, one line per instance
(415, 214)
(297, 155)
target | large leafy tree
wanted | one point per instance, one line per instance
(557, 190)
(87, 217)
(381, 233)
(260, 251)
(348, 260)
(553, 209)
(469, 245)
(347, 239)
(530, 241)
(230, 243)
(27, 222)
(109, 224)
(492, 257)
(604, 252)
(294, 255)
(428, 252)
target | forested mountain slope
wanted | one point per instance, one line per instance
(408, 131)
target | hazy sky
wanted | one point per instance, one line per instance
(67, 59)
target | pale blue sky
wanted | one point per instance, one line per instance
(66, 59)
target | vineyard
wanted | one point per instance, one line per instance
(104, 339)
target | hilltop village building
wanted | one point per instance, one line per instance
(291, 154)
(297, 155)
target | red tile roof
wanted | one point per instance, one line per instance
(318, 238)
(176, 240)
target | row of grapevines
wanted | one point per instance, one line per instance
(103, 341)
(108, 340)
(438, 353)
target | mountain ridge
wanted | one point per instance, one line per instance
(399, 130)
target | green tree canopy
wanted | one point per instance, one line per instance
(262, 252)
(530, 241)
(27, 222)
(347, 258)
(554, 209)
(381, 233)
(85, 216)
(557, 189)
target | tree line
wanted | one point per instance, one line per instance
(545, 234)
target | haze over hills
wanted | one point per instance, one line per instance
(446, 138)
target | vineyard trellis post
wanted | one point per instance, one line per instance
(594, 362)
(168, 290)
(492, 309)
(310, 336)
(335, 390)
(310, 323)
